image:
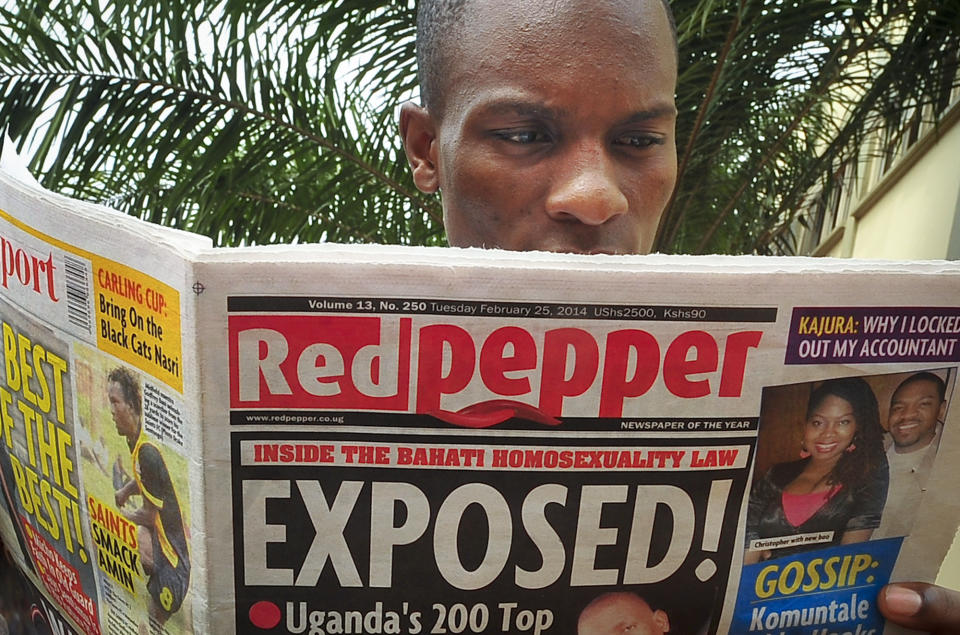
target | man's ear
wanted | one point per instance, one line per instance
(419, 135)
(662, 621)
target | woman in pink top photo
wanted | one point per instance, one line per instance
(835, 492)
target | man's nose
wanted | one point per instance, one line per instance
(586, 187)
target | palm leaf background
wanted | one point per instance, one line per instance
(269, 121)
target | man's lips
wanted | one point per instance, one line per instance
(906, 426)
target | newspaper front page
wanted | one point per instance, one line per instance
(370, 439)
(450, 441)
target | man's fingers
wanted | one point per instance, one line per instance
(921, 606)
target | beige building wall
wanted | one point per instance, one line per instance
(913, 213)
(904, 206)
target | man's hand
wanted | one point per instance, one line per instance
(121, 496)
(921, 606)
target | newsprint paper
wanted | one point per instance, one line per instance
(365, 439)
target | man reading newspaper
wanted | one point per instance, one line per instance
(550, 126)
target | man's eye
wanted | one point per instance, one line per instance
(522, 136)
(640, 140)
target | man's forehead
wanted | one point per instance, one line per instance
(536, 21)
(539, 44)
(554, 9)
(461, 42)
(921, 385)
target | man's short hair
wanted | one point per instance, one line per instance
(933, 378)
(437, 21)
(129, 387)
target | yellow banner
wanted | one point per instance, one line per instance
(138, 320)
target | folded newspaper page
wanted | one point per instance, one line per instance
(367, 439)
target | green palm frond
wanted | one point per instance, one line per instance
(786, 92)
(233, 121)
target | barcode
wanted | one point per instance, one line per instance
(77, 277)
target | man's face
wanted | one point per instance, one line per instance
(622, 613)
(124, 416)
(557, 131)
(914, 411)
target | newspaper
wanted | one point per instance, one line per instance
(370, 439)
